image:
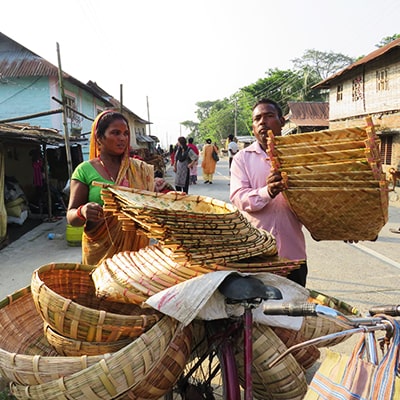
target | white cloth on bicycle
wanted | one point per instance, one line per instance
(199, 298)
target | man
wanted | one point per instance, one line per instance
(232, 149)
(256, 189)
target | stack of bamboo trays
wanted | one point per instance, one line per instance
(334, 179)
(196, 229)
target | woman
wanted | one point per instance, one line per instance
(184, 159)
(109, 162)
(208, 164)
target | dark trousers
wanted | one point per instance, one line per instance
(299, 275)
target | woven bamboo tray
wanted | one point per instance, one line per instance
(145, 369)
(65, 297)
(132, 277)
(25, 355)
(337, 191)
(286, 380)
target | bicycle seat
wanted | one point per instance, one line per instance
(238, 288)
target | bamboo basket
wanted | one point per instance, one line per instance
(25, 355)
(286, 380)
(65, 297)
(132, 277)
(313, 327)
(70, 347)
(145, 369)
(334, 181)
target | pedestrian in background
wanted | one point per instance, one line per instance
(184, 159)
(193, 168)
(208, 163)
(232, 150)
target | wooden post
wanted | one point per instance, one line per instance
(46, 178)
(121, 97)
(66, 134)
(148, 114)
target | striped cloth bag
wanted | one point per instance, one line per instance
(343, 377)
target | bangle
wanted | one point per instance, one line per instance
(79, 213)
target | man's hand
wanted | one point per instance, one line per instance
(275, 183)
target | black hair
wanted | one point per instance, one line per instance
(230, 137)
(208, 141)
(272, 102)
(190, 140)
(105, 121)
(182, 141)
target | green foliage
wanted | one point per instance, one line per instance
(320, 63)
(218, 119)
(386, 40)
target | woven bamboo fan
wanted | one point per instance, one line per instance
(335, 187)
(147, 368)
(25, 355)
(65, 297)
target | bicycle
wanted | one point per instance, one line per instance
(213, 373)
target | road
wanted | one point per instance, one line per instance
(363, 274)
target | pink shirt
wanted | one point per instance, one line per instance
(248, 192)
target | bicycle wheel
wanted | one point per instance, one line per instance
(211, 372)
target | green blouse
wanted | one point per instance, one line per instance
(86, 173)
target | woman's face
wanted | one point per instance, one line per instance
(116, 138)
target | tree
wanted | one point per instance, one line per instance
(386, 40)
(321, 63)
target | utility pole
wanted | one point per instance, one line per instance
(235, 120)
(121, 98)
(64, 108)
(148, 114)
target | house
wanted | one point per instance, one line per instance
(137, 125)
(29, 85)
(306, 116)
(31, 119)
(370, 86)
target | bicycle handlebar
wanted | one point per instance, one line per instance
(391, 310)
(290, 309)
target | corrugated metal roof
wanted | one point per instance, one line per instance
(13, 132)
(144, 139)
(364, 60)
(308, 113)
(18, 61)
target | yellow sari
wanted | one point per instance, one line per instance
(108, 238)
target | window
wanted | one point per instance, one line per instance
(70, 102)
(382, 80)
(357, 89)
(339, 93)
(386, 149)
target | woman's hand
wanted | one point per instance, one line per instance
(92, 212)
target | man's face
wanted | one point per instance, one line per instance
(265, 118)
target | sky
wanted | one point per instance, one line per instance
(170, 54)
